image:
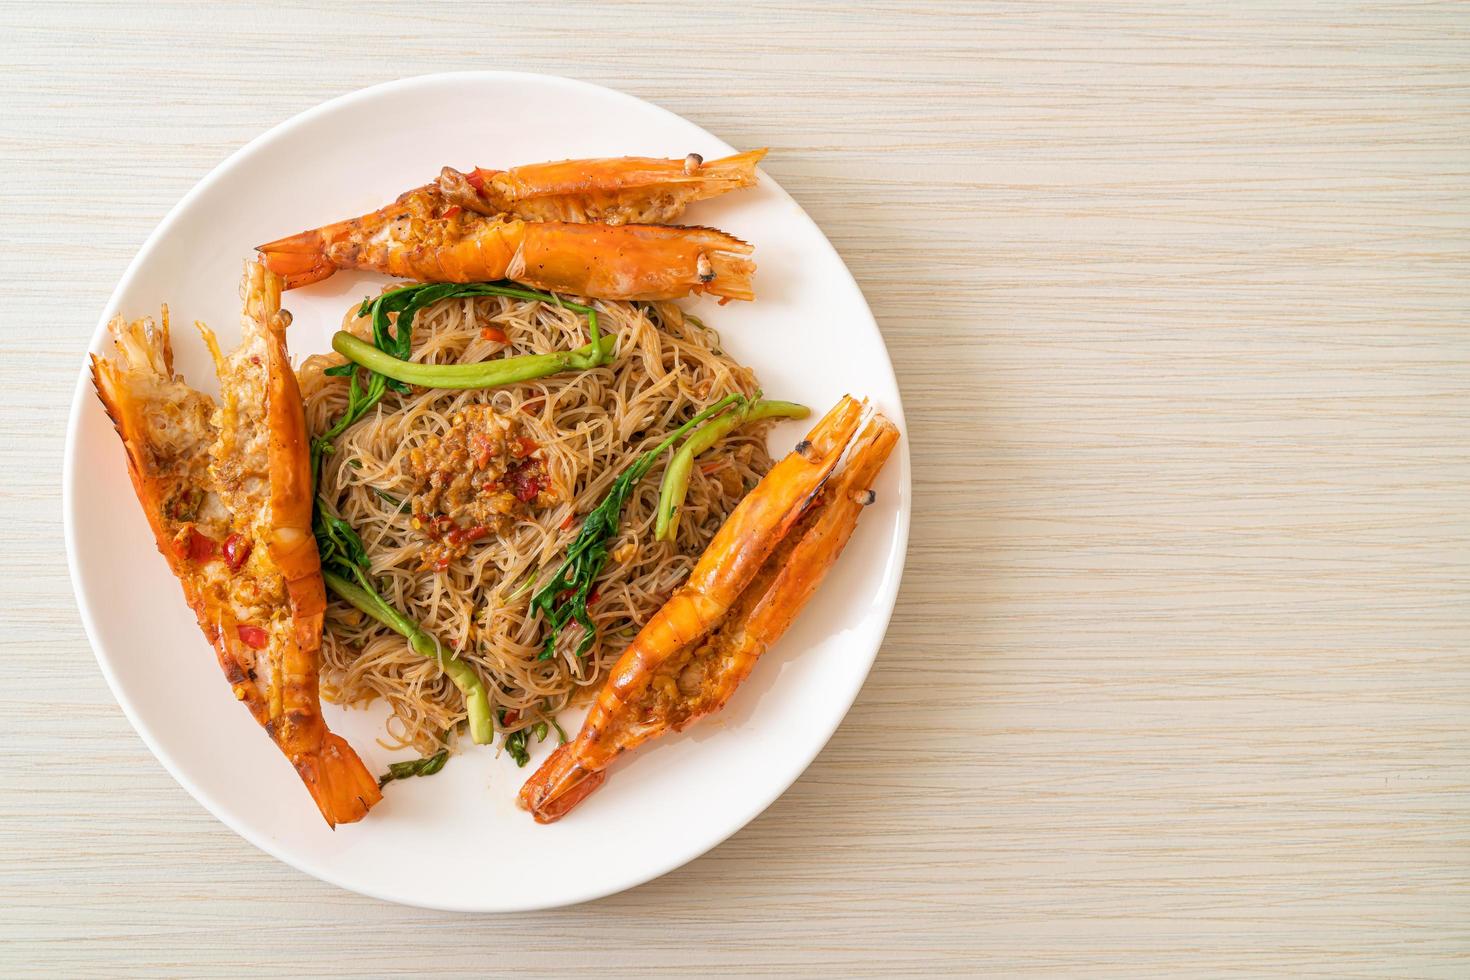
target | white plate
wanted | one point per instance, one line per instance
(456, 840)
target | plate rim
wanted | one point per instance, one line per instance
(82, 394)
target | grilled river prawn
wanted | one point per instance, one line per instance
(420, 236)
(227, 491)
(756, 575)
(585, 227)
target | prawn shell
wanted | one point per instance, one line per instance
(614, 190)
(340, 784)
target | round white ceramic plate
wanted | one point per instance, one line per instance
(456, 840)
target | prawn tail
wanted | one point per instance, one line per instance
(738, 169)
(299, 259)
(558, 786)
(340, 784)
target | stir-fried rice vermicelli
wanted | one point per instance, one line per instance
(589, 426)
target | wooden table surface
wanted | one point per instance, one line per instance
(1179, 679)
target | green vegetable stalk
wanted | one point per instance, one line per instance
(486, 374)
(676, 477)
(393, 344)
(345, 568)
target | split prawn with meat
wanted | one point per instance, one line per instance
(226, 488)
(585, 227)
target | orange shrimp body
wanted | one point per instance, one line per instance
(619, 190)
(422, 237)
(756, 575)
(227, 492)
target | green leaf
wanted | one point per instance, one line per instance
(426, 766)
(563, 599)
(515, 745)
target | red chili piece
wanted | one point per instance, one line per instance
(524, 484)
(195, 546)
(237, 550)
(464, 535)
(252, 636)
(482, 447)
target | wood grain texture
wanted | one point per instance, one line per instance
(1180, 674)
